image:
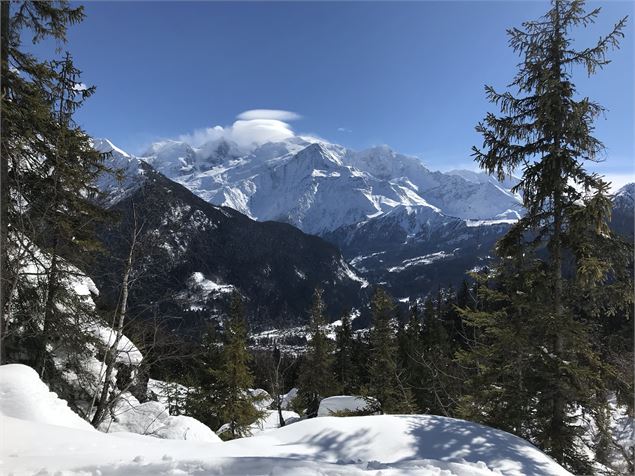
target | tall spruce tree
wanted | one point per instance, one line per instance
(344, 369)
(434, 356)
(317, 379)
(546, 129)
(387, 384)
(204, 400)
(30, 129)
(62, 205)
(48, 167)
(236, 407)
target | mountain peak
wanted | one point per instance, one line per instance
(104, 145)
(627, 190)
(318, 154)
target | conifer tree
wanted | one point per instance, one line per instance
(546, 129)
(30, 129)
(234, 377)
(47, 171)
(61, 198)
(205, 399)
(316, 380)
(344, 369)
(434, 389)
(386, 385)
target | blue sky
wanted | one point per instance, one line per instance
(407, 74)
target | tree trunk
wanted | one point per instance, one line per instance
(111, 355)
(51, 294)
(558, 404)
(280, 417)
(558, 412)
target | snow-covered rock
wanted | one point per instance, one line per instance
(182, 427)
(153, 419)
(342, 403)
(261, 397)
(271, 421)
(287, 398)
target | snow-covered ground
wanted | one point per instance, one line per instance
(41, 435)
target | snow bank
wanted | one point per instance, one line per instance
(391, 445)
(23, 395)
(128, 415)
(183, 427)
(372, 445)
(398, 441)
(153, 419)
(342, 403)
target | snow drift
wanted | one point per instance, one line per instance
(23, 395)
(40, 434)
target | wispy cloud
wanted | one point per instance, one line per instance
(343, 129)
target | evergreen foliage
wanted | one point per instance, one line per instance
(317, 379)
(203, 401)
(48, 203)
(236, 406)
(386, 383)
(534, 362)
(344, 367)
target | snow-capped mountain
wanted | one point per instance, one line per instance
(200, 253)
(383, 209)
(623, 216)
(319, 187)
(397, 222)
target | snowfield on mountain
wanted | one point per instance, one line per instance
(40, 434)
(316, 185)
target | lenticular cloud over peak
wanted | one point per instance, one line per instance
(252, 128)
(276, 114)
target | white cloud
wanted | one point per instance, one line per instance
(276, 114)
(200, 136)
(343, 129)
(253, 127)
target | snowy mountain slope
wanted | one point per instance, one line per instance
(454, 194)
(623, 217)
(400, 223)
(482, 177)
(413, 253)
(318, 186)
(130, 172)
(413, 250)
(194, 254)
(387, 444)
